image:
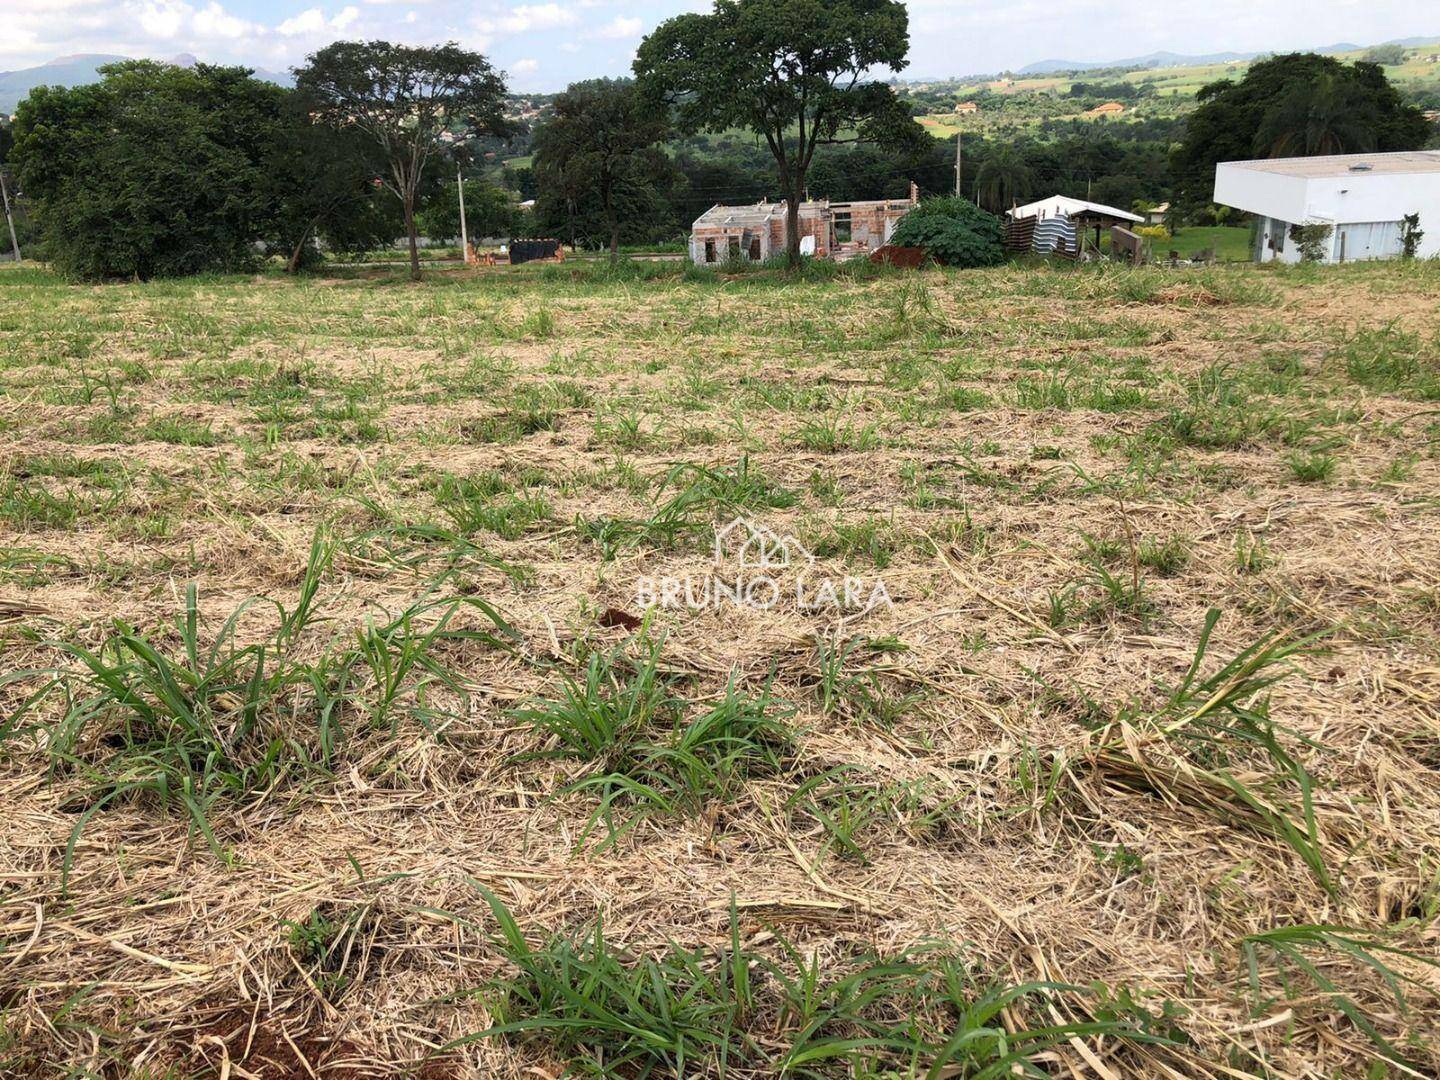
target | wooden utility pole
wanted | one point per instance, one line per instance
(464, 232)
(5, 194)
(959, 135)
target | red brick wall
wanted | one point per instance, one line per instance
(812, 223)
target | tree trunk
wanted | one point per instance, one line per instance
(614, 243)
(792, 229)
(413, 234)
(293, 265)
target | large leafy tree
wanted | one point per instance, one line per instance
(320, 182)
(1333, 115)
(795, 72)
(156, 170)
(1294, 105)
(404, 98)
(602, 140)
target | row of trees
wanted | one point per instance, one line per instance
(1117, 164)
(166, 170)
(159, 170)
(162, 170)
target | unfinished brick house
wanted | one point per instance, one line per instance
(828, 230)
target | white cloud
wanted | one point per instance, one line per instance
(527, 17)
(541, 16)
(164, 19)
(308, 21)
(312, 22)
(215, 21)
(525, 67)
(622, 26)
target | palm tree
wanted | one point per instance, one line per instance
(1002, 180)
(1329, 116)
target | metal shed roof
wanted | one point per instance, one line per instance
(1063, 204)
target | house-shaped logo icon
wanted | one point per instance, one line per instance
(756, 547)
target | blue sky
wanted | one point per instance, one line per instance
(544, 44)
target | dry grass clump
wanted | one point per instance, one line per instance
(338, 740)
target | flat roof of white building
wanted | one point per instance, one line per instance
(1400, 162)
(1343, 189)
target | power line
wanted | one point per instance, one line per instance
(1056, 174)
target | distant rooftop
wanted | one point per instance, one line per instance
(1405, 161)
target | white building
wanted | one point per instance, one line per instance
(1361, 196)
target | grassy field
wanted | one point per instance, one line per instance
(336, 738)
(1231, 243)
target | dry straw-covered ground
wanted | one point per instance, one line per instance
(1028, 814)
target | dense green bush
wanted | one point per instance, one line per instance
(155, 171)
(953, 231)
(161, 171)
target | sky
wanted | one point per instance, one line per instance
(544, 44)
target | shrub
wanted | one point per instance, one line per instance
(1410, 235)
(953, 231)
(1311, 240)
(1154, 232)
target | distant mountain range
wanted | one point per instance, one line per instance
(1170, 59)
(82, 69)
(1150, 60)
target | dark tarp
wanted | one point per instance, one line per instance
(522, 251)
